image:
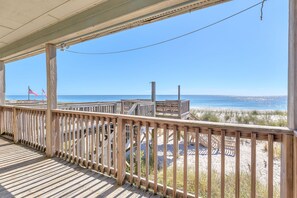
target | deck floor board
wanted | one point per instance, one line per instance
(25, 172)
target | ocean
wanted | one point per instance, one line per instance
(197, 101)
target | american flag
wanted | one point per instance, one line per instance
(32, 92)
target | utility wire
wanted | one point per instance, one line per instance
(171, 39)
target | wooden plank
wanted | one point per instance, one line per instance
(51, 77)
(185, 162)
(82, 145)
(108, 146)
(175, 152)
(138, 156)
(155, 153)
(114, 144)
(223, 163)
(73, 137)
(68, 124)
(77, 138)
(102, 143)
(197, 135)
(253, 165)
(287, 166)
(209, 153)
(147, 148)
(237, 164)
(15, 129)
(97, 143)
(121, 151)
(165, 160)
(131, 130)
(295, 164)
(92, 140)
(270, 165)
(87, 141)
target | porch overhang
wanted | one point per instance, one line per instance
(26, 26)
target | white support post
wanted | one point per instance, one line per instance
(51, 76)
(2, 83)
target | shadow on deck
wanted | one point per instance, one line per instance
(25, 172)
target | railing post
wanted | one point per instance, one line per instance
(287, 166)
(121, 151)
(15, 126)
(295, 164)
(51, 76)
(292, 106)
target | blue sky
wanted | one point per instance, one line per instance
(241, 56)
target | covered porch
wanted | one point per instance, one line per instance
(75, 153)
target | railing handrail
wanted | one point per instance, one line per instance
(22, 108)
(189, 123)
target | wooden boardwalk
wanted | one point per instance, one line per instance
(25, 172)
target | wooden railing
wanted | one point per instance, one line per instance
(161, 154)
(137, 107)
(172, 108)
(25, 125)
(103, 107)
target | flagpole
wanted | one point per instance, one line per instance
(28, 93)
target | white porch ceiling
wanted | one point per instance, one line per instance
(26, 25)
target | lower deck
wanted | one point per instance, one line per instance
(25, 172)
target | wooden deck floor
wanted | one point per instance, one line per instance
(25, 172)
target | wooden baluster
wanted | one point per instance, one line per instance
(102, 143)
(97, 143)
(82, 140)
(108, 146)
(237, 164)
(78, 139)
(69, 136)
(114, 146)
(64, 136)
(155, 152)
(87, 141)
(223, 133)
(209, 163)
(270, 165)
(92, 141)
(175, 152)
(253, 165)
(165, 160)
(43, 129)
(30, 128)
(185, 161)
(147, 154)
(73, 138)
(197, 135)
(37, 131)
(138, 157)
(131, 130)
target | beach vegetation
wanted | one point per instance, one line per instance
(245, 181)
